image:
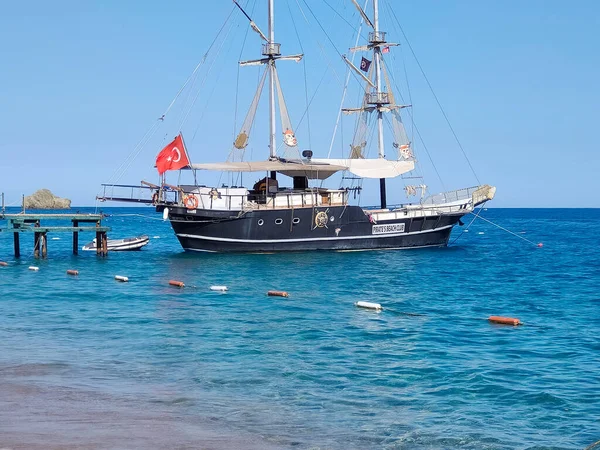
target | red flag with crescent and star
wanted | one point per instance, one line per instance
(173, 156)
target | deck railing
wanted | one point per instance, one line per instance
(238, 199)
(451, 196)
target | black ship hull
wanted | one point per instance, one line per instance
(280, 230)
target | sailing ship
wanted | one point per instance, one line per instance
(289, 209)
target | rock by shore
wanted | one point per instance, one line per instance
(44, 199)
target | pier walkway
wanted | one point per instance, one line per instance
(32, 223)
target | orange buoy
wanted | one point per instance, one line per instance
(72, 272)
(540, 245)
(3, 264)
(176, 283)
(504, 320)
(277, 294)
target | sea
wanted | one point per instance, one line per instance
(89, 362)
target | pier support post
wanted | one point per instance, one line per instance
(36, 244)
(98, 240)
(104, 244)
(36, 240)
(75, 238)
(17, 245)
(44, 240)
(98, 243)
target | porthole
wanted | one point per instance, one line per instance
(278, 221)
(296, 220)
(331, 219)
(260, 222)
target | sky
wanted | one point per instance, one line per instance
(83, 82)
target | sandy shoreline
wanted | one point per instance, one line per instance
(34, 416)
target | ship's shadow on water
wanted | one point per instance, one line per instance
(148, 365)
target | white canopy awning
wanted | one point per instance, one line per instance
(317, 168)
(373, 168)
(319, 171)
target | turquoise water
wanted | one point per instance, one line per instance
(186, 368)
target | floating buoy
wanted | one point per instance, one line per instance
(35, 269)
(504, 320)
(176, 283)
(121, 278)
(277, 294)
(218, 288)
(540, 245)
(369, 305)
(72, 272)
(3, 263)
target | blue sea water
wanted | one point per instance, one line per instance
(87, 362)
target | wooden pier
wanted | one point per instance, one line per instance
(32, 223)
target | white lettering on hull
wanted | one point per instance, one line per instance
(391, 228)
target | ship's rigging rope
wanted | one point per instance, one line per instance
(305, 77)
(212, 65)
(508, 231)
(237, 80)
(326, 35)
(122, 169)
(416, 129)
(393, 14)
(348, 23)
(475, 216)
(348, 71)
(360, 82)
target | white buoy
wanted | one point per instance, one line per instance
(35, 269)
(121, 278)
(218, 288)
(165, 213)
(369, 305)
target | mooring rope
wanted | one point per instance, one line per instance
(468, 226)
(508, 231)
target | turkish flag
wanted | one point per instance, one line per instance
(172, 157)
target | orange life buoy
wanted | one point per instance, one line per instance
(191, 202)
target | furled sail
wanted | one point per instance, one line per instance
(412, 190)
(241, 141)
(401, 141)
(359, 142)
(289, 137)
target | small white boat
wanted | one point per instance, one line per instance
(126, 244)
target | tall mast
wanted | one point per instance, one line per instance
(270, 52)
(377, 37)
(377, 56)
